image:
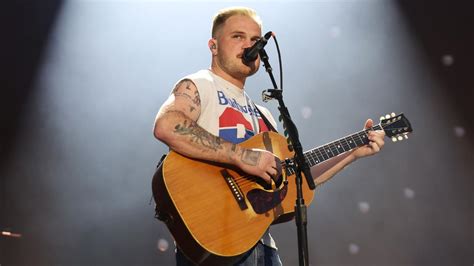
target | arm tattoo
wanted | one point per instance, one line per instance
(250, 157)
(197, 99)
(180, 93)
(184, 82)
(177, 94)
(198, 135)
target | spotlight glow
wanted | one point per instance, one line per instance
(364, 207)
(448, 60)
(162, 245)
(409, 193)
(353, 249)
(459, 131)
(10, 234)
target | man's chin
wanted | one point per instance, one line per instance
(252, 73)
(247, 73)
(250, 70)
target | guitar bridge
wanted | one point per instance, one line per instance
(234, 189)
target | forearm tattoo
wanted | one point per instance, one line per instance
(250, 157)
(185, 89)
(198, 135)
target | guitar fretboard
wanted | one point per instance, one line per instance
(333, 149)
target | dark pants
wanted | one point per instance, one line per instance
(260, 255)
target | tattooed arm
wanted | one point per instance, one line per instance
(176, 126)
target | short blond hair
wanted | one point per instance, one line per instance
(222, 15)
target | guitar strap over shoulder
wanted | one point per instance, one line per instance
(265, 119)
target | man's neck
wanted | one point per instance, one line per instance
(237, 82)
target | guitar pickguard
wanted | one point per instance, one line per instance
(263, 201)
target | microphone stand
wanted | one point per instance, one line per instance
(298, 163)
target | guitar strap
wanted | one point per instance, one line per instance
(158, 214)
(267, 123)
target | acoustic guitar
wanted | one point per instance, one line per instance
(216, 212)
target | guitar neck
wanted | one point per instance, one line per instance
(333, 149)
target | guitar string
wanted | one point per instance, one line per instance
(345, 143)
(334, 150)
(246, 181)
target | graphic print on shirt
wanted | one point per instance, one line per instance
(233, 125)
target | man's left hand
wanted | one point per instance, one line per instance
(376, 142)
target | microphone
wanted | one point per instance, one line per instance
(251, 53)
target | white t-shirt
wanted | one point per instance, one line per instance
(228, 112)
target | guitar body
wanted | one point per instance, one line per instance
(199, 202)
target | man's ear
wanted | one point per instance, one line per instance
(213, 46)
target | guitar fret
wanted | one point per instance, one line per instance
(315, 153)
(365, 136)
(323, 153)
(358, 140)
(311, 159)
(332, 149)
(337, 147)
(352, 142)
(345, 144)
(328, 150)
(316, 156)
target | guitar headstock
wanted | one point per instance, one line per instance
(396, 127)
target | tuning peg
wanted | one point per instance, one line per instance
(387, 116)
(382, 118)
(400, 138)
(393, 114)
(406, 136)
(394, 139)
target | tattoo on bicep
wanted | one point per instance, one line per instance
(179, 94)
(183, 83)
(197, 99)
(198, 135)
(250, 157)
(188, 85)
(184, 89)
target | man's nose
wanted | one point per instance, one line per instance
(248, 43)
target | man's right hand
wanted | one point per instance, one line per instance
(260, 163)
